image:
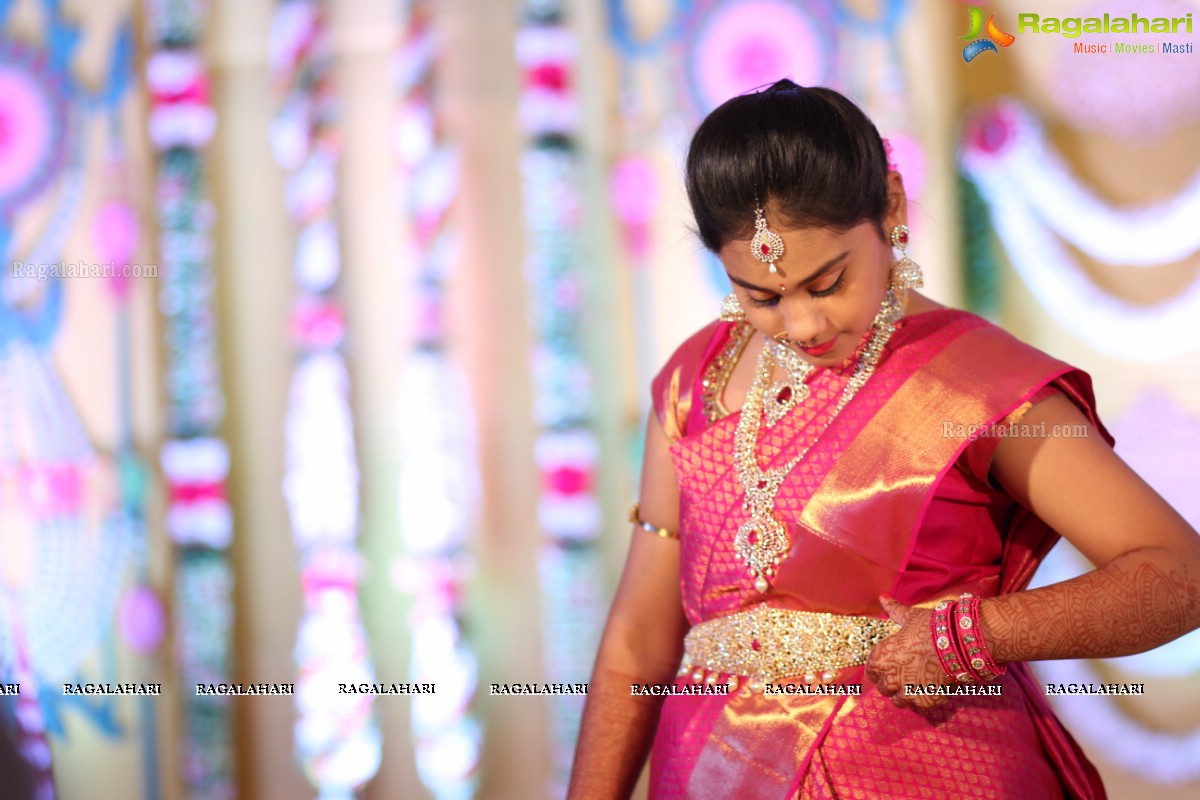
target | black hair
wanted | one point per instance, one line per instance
(808, 155)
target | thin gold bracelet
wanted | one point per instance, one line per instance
(636, 519)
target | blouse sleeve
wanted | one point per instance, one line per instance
(976, 459)
(673, 388)
(665, 392)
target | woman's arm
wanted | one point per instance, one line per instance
(642, 643)
(1146, 589)
(1145, 592)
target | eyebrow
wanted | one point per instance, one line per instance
(828, 265)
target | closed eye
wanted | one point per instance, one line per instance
(770, 302)
(833, 289)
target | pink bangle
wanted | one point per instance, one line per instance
(944, 644)
(976, 655)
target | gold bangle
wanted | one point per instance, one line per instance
(636, 519)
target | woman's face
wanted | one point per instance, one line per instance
(829, 286)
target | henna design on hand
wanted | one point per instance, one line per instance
(907, 658)
(1132, 604)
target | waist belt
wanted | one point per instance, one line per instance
(763, 644)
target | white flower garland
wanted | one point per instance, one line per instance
(336, 738)
(570, 565)
(439, 482)
(1155, 333)
(1027, 169)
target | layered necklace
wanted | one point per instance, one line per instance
(762, 540)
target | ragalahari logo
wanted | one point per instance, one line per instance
(994, 37)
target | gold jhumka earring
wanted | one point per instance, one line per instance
(731, 309)
(906, 272)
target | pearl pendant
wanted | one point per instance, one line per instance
(762, 584)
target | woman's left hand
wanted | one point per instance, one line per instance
(907, 658)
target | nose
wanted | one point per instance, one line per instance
(803, 321)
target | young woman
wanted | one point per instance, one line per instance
(846, 483)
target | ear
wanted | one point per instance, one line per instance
(897, 212)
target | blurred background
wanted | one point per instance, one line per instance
(326, 332)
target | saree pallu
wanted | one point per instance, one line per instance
(893, 498)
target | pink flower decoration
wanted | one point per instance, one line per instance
(196, 491)
(634, 190)
(115, 231)
(33, 125)
(180, 112)
(992, 131)
(318, 323)
(888, 150)
(548, 76)
(567, 479)
(193, 91)
(908, 158)
(430, 321)
(52, 489)
(142, 620)
(331, 570)
(742, 46)
(176, 77)
(567, 293)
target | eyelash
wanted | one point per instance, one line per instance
(834, 289)
(774, 301)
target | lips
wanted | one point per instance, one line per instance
(821, 349)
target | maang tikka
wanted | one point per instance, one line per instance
(766, 245)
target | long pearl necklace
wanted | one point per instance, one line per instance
(762, 540)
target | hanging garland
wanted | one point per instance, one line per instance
(336, 738)
(1107, 323)
(1008, 144)
(195, 459)
(439, 481)
(977, 255)
(567, 449)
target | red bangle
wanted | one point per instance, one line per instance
(975, 652)
(944, 641)
(965, 674)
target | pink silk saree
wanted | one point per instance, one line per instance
(893, 498)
